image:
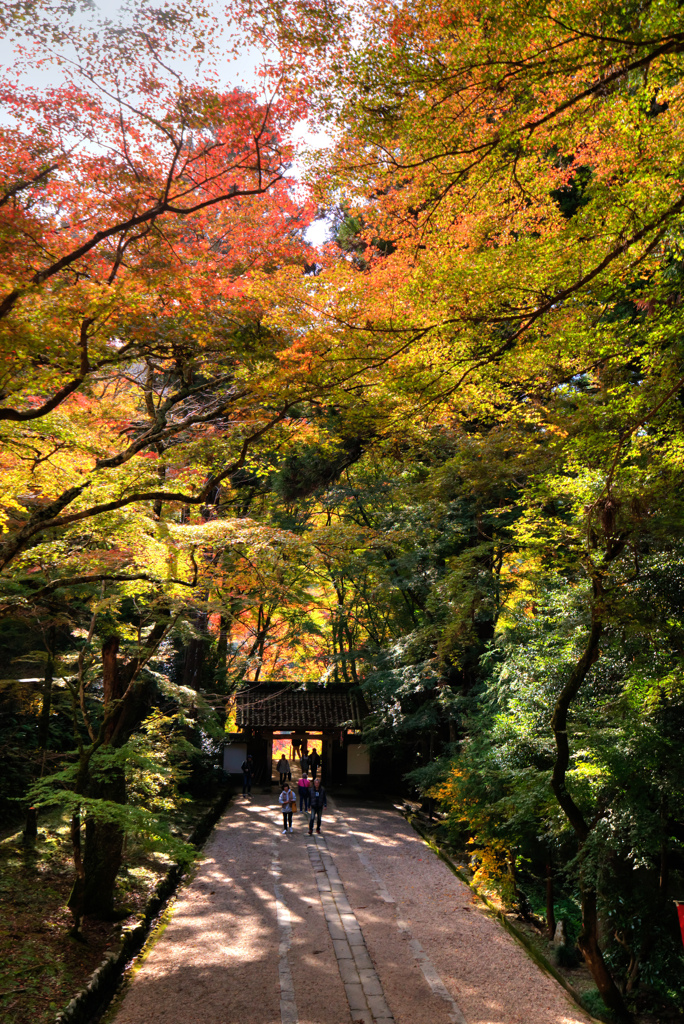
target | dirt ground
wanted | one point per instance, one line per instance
(41, 966)
(361, 924)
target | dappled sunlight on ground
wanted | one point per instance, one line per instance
(436, 957)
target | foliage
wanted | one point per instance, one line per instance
(439, 459)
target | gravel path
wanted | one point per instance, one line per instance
(361, 925)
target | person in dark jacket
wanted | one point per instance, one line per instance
(247, 768)
(318, 802)
(314, 761)
(284, 769)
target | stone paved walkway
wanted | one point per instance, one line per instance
(361, 925)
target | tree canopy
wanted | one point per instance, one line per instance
(438, 457)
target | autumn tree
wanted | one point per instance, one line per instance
(511, 176)
(137, 200)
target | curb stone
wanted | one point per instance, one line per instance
(95, 996)
(508, 926)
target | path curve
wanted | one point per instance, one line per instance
(361, 925)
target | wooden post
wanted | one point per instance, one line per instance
(268, 774)
(326, 759)
(31, 827)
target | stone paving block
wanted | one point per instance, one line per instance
(372, 986)
(348, 972)
(355, 997)
(362, 959)
(378, 1006)
(362, 985)
(342, 950)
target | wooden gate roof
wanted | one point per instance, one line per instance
(276, 707)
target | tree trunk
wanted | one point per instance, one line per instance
(195, 653)
(126, 702)
(588, 941)
(97, 862)
(124, 708)
(591, 951)
(75, 901)
(222, 654)
(350, 648)
(46, 707)
(664, 879)
(550, 911)
(103, 851)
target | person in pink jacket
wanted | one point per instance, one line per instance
(303, 786)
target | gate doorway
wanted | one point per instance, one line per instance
(275, 719)
(293, 747)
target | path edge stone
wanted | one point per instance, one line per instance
(92, 1001)
(520, 937)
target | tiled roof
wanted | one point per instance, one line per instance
(275, 707)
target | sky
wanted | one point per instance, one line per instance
(240, 71)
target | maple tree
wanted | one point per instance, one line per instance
(136, 203)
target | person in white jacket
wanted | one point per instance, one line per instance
(288, 803)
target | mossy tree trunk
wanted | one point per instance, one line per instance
(103, 852)
(126, 704)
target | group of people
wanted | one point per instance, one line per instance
(308, 763)
(311, 792)
(312, 798)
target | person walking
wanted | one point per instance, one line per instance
(288, 802)
(304, 763)
(247, 768)
(303, 786)
(284, 769)
(314, 761)
(318, 802)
